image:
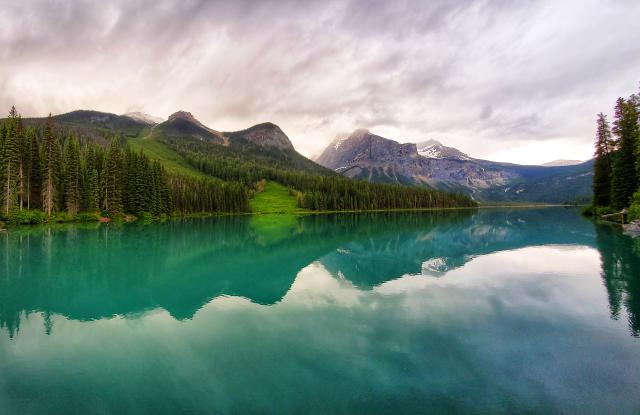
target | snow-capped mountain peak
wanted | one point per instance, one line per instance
(434, 149)
(144, 117)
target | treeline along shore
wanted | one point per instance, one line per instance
(49, 173)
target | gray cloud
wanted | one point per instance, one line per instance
(481, 75)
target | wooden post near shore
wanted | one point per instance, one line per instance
(622, 214)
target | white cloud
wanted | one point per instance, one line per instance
(514, 81)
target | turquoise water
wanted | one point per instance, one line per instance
(496, 311)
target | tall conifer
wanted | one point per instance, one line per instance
(11, 161)
(50, 168)
(72, 185)
(602, 166)
(113, 178)
(624, 181)
(91, 182)
(34, 171)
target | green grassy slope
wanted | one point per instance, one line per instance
(275, 198)
(173, 162)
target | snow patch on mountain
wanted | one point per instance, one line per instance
(433, 149)
(338, 142)
(561, 162)
(143, 117)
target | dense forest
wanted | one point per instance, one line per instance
(52, 174)
(616, 182)
(46, 176)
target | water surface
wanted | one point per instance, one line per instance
(495, 311)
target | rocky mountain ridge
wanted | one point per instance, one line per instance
(367, 156)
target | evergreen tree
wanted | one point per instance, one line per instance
(72, 184)
(146, 183)
(34, 171)
(91, 181)
(113, 178)
(602, 166)
(10, 165)
(50, 168)
(624, 181)
(59, 167)
(22, 162)
(635, 100)
(130, 193)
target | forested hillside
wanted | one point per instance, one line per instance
(87, 164)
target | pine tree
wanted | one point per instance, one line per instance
(624, 181)
(50, 168)
(59, 168)
(10, 166)
(130, 193)
(22, 162)
(34, 171)
(602, 166)
(164, 202)
(113, 178)
(72, 185)
(145, 183)
(91, 181)
(635, 100)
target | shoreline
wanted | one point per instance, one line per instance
(4, 226)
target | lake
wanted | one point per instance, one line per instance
(490, 311)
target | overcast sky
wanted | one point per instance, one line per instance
(506, 80)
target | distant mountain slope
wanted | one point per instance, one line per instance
(374, 158)
(558, 184)
(97, 126)
(561, 162)
(102, 120)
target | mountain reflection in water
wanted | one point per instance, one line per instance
(489, 311)
(94, 272)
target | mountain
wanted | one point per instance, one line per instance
(263, 144)
(365, 151)
(180, 138)
(263, 135)
(266, 135)
(367, 156)
(561, 162)
(183, 124)
(371, 157)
